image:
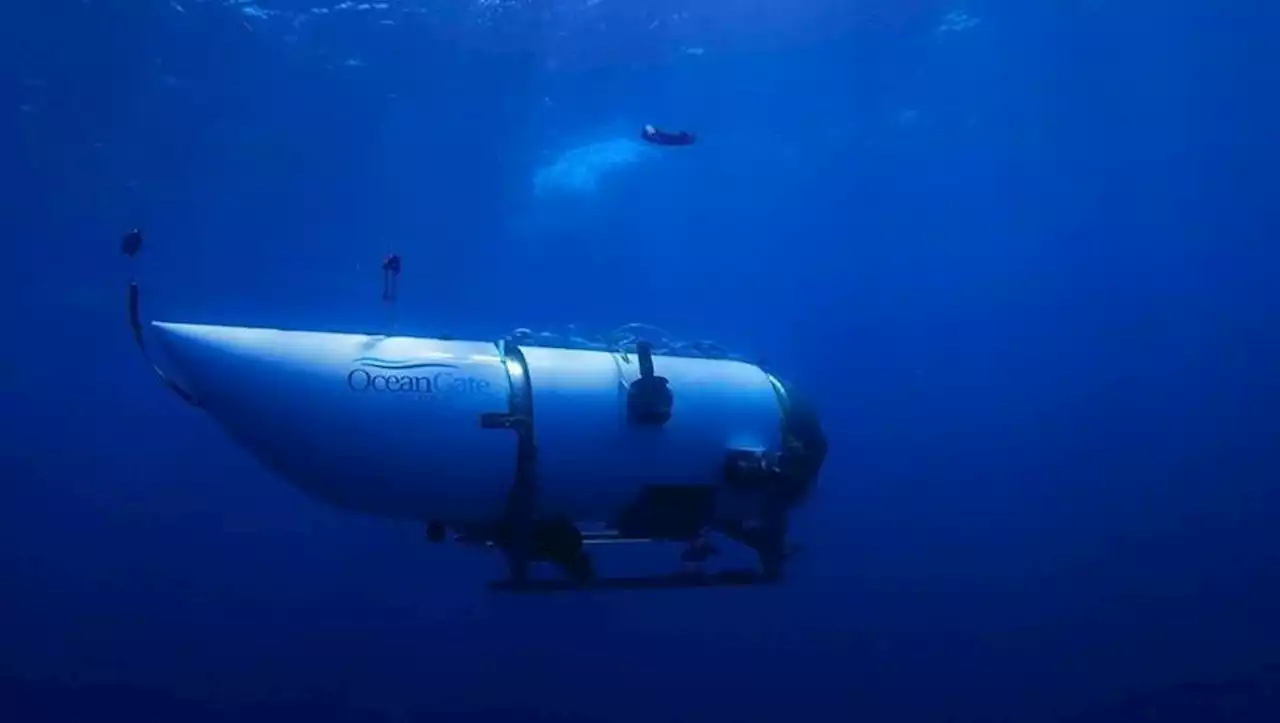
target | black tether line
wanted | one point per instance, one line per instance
(136, 323)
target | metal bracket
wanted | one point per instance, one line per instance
(518, 518)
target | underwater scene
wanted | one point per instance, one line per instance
(640, 361)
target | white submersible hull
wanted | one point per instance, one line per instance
(424, 429)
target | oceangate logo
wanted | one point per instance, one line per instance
(396, 376)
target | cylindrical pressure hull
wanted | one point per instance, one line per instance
(591, 461)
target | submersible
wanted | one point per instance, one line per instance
(536, 450)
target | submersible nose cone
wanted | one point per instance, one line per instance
(189, 349)
(244, 377)
(207, 357)
(383, 425)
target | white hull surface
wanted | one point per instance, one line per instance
(391, 426)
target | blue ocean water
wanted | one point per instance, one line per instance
(1020, 254)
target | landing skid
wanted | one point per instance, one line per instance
(568, 554)
(743, 577)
